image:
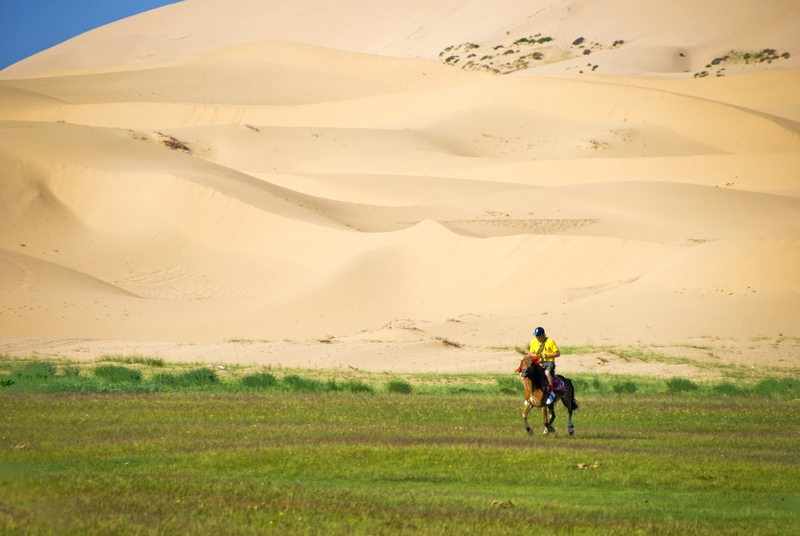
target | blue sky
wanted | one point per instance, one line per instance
(30, 26)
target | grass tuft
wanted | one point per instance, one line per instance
(727, 389)
(201, 377)
(624, 387)
(259, 380)
(680, 385)
(399, 386)
(36, 371)
(70, 371)
(355, 386)
(133, 360)
(115, 373)
(777, 388)
(305, 385)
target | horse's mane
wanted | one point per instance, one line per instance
(535, 373)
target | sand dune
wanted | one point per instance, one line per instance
(259, 170)
(425, 29)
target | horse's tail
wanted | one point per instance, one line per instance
(573, 403)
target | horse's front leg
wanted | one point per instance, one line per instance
(528, 406)
(528, 403)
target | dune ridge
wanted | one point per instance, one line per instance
(276, 177)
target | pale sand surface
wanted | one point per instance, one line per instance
(181, 180)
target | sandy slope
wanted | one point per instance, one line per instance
(276, 172)
(654, 33)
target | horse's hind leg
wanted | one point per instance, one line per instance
(571, 405)
(546, 421)
(549, 422)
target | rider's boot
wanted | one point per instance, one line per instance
(551, 397)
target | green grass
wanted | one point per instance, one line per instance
(331, 463)
(133, 360)
(36, 376)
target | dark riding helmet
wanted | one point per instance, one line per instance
(538, 331)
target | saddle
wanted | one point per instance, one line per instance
(558, 385)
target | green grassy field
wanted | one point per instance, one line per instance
(273, 458)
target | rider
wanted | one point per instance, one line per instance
(546, 351)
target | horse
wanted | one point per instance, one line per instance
(533, 378)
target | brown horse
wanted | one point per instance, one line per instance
(534, 379)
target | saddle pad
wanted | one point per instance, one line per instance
(558, 385)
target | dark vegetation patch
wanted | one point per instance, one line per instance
(447, 342)
(742, 58)
(517, 55)
(173, 143)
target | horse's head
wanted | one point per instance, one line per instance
(525, 367)
(530, 368)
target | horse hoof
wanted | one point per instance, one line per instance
(572, 432)
(530, 432)
(546, 431)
